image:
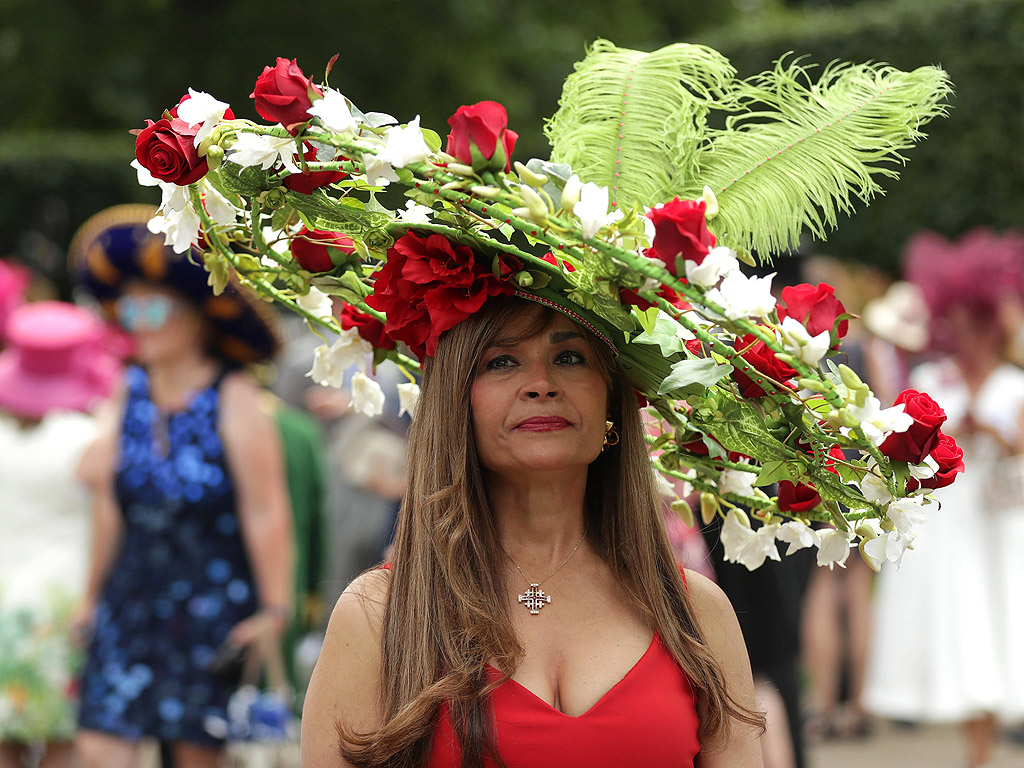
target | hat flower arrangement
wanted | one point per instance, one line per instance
(636, 228)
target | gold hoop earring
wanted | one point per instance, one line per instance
(611, 435)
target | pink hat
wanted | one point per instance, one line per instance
(14, 281)
(55, 359)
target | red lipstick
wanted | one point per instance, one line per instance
(544, 424)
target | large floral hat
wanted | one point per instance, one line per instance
(114, 247)
(635, 227)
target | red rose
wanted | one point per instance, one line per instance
(308, 180)
(309, 247)
(166, 149)
(922, 438)
(283, 94)
(816, 306)
(550, 259)
(700, 448)
(428, 285)
(483, 126)
(950, 458)
(680, 232)
(695, 347)
(797, 497)
(368, 326)
(627, 296)
(763, 359)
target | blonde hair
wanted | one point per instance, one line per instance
(445, 616)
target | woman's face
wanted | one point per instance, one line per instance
(163, 326)
(539, 403)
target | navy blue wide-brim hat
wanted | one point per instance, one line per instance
(114, 248)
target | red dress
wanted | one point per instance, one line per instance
(649, 718)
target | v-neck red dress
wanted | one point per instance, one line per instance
(648, 718)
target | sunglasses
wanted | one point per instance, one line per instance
(144, 313)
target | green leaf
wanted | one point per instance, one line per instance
(321, 211)
(431, 138)
(647, 319)
(694, 376)
(248, 182)
(773, 472)
(664, 335)
(740, 427)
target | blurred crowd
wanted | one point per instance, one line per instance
(181, 506)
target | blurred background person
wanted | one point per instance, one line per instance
(192, 537)
(950, 623)
(53, 371)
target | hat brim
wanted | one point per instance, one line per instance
(114, 248)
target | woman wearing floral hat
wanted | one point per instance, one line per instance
(192, 543)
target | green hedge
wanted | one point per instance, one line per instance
(970, 169)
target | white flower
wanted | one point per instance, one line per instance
(219, 207)
(179, 228)
(415, 213)
(404, 145)
(797, 535)
(925, 470)
(173, 197)
(717, 263)
(833, 547)
(378, 171)
(664, 486)
(798, 341)
(737, 481)
(592, 209)
(743, 545)
(330, 363)
(741, 296)
(408, 397)
(874, 488)
(316, 302)
(265, 151)
(571, 192)
(334, 113)
(884, 546)
(367, 396)
(906, 515)
(145, 177)
(879, 423)
(202, 108)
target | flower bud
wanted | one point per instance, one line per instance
(571, 193)
(538, 208)
(523, 279)
(850, 377)
(274, 198)
(529, 177)
(709, 508)
(459, 169)
(489, 192)
(812, 384)
(684, 510)
(710, 202)
(214, 156)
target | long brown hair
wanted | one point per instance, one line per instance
(445, 618)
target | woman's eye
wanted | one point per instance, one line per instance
(570, 357)
(500, 362)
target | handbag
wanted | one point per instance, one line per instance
(259, 725)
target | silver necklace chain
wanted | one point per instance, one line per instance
(534, 598)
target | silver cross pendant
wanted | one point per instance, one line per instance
(534, 599)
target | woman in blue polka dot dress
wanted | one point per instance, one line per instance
(192, 537)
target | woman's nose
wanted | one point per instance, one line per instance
(540, 382)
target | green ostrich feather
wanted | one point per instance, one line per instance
(792, 156)
(797, 153)
(657, 102)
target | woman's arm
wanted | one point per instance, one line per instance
(345, 687)
(95, 471)
(741, 746)
(254, 454)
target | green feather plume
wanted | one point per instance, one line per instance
(793, 155)
(640, 115)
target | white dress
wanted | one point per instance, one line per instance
(948, 641)
(45, 524)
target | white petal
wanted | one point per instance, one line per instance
(415, 213)
(404, 145)
(378, 172)
(145, 177)
(334, 113)
(833, 547)
(219, 207)
(408, 397)
(737, 481)
(717, 263)
(367, 396)
(316, 302)
(797, 535)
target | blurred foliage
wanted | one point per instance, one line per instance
(970, 171)
(80, 74)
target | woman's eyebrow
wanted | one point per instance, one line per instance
(559, 336)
